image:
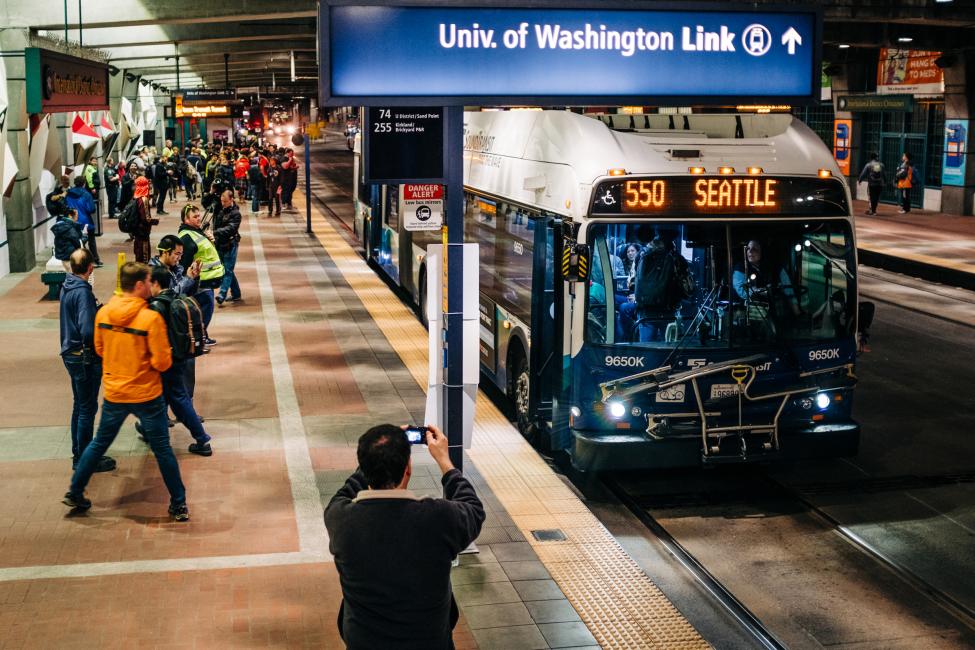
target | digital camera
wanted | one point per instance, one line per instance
(416, 435)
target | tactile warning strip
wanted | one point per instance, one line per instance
(617, 601)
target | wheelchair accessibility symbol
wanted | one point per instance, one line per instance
(756, 39)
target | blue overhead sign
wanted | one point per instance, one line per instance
(513, 55)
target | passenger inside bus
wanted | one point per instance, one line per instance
(802, 290)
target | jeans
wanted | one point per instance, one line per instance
(286, 192)
(906, 199)
(257, 190)
(189, 376)
(229, 260)
(205, 298)
(112, 192)
(161, 200)
(152, 414)
(178, 398)
(85, 382)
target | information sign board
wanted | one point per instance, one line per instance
(875, 103)
(59, 83)
(610, 53)
(404, 145)
(955, 152)
(422, 206)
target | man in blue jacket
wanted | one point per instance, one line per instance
(79, 198)
(78, 307)
(393, 550)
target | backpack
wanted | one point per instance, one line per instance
(129, 219)
(184, 324)
(875, 174)
(662, 281)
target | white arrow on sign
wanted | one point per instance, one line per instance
(790, 39)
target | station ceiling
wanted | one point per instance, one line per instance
(144, 36)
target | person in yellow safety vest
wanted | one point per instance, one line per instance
(198, 246)
(905, 181)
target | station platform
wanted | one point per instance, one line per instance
(929, 245)
(318, 351)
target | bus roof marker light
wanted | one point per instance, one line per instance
(726, 170)
(825, 173)
(696, 170)
(754, 171)
(618, 171)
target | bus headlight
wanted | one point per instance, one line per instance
(822, 401)
(575, 411)
(617, 409)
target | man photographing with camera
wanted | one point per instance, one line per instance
(393, 550)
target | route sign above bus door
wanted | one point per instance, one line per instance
(548, 54)
(404, 145)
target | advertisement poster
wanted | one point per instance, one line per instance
(842, 134)
(909, 72)
(956, 146)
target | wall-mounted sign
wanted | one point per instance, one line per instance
(911, 72)
(404, 145)
(554, 55)
(207, 94)
(873, 103)
(955, 152)
(842, 139)
(421, 207)
(59, 83)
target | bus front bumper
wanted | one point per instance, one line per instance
(592, 451)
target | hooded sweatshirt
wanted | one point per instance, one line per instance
(67, 237)
(80, 199)
(78, 308)
(131, 339)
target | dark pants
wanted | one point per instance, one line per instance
(229, 260)
(152, 414)
(257, 190)
(454, 617)
(85, 382)
(92, 245)
(287, 190)
(161, 199)
(179, 399)
(112, 192)
(273, 200)
(189, 377)
(205, 298)
(142, 249)
(906, 199)
(874, 191)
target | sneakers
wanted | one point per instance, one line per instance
(172, 422)
(76, 501)
(179, 512)
(220, 300)
(237, 299)
(201, 449)
(209, 341)
(902, 211)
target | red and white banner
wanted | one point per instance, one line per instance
(422, 192)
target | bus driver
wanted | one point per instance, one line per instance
(752, 280)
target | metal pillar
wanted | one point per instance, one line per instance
(177, 66)
(454, 315)
(307, 184)
(226, 69)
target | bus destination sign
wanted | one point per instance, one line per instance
(720, 195)
(552, 54)
(404, 145)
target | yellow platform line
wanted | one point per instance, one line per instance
(616, 600)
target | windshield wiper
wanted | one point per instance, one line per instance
(822, 249)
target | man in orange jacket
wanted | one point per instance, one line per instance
(132, 341)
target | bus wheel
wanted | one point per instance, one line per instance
(519, 399)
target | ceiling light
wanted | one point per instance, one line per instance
(904, 39)
(844, 46)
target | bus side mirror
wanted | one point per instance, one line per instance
(575, 262)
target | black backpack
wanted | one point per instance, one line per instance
(129, 218)
(875, 173)
(184, 324)
(662, 280)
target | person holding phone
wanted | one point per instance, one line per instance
(393, 550)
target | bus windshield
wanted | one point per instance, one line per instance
(721, 285)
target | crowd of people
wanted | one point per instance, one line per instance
(142, 345)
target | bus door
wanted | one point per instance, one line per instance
(546, 339)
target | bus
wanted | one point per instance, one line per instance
(748, 352)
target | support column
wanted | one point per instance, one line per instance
(960, 104)
(851, 80)
(18, 208)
